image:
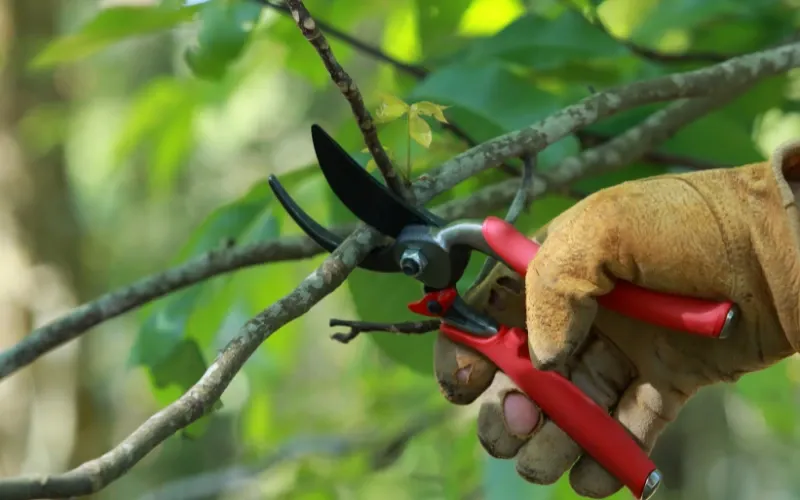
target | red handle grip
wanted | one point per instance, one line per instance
(591, 427)
(692, 315)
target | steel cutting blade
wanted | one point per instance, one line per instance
(362, 194)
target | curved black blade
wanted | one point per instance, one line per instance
(380, 259)
(362, 194)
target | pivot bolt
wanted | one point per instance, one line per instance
(413, 262)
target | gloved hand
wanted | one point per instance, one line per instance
(719, 234)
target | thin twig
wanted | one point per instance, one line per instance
(374, 52)
(359, 327)
(308, 26)
(518, 205)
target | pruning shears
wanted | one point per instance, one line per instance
(436, 253)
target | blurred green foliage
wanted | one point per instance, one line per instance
(497, 66)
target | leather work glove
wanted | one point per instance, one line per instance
(723, 234)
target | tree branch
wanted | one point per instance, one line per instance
(735, 73)
(349, 89)
(359, 327)
(95, 474)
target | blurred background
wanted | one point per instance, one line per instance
(136, 134)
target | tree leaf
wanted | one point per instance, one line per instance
(419, 130)
(389, 109)
(110, 26)
(544, 44)
(430, 109)
(511, 104)
(224, 34)
(684, 15)
(437, 23)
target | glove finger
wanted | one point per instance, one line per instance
(569, 271)
(645, 411)
(462, 373)
(602, 373)
(506, 419)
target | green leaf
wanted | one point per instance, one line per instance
(110, 26)
(419, 130)
(544, 44)
(224, 33)
(390, 109)
(510, 104)
(702, 139)
(437, 23)
(684, 15)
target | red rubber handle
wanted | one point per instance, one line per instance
(692, 315)
(591, 427)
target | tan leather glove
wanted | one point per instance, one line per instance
(720, 234)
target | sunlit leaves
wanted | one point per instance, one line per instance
(426, 108)
(544, 44)
(110, 26)
(390, 109)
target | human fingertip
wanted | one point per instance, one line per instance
(521, 415)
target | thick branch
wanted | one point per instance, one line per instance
(349, 89)
(216, 262)
(735, 73)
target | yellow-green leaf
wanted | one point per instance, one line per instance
(420, 130)
(430, 109)
(390, 108)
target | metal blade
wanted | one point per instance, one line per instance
(362, 194)
(380, 259)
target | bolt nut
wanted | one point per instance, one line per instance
(413, 262)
